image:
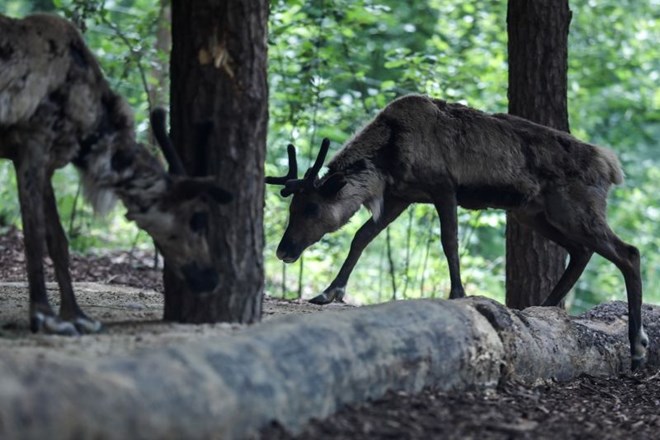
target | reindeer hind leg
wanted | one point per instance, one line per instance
(581, 215)
(579, 255)
(627, 259)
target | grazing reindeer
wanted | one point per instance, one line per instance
(55, 108)
(425, 150)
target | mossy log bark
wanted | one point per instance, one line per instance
(293, 369)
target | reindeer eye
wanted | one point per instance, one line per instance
(199, 222)
(311, 210)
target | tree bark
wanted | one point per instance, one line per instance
(538, 65)
(219, 100)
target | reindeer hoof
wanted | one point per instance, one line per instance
(329, 295)
(52, 325)
(637, 364)
(639, 350)
(322, 299)
(86, 326)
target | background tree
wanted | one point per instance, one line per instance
(538, 66)
(219, 102)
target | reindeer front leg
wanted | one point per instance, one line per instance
(31, 176)
(58, 249)
(392, 208)
(446, 207)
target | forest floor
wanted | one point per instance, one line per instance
(123, 292)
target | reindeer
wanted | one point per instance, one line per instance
(56, 108)
(424, 150)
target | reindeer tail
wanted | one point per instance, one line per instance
(612, 166)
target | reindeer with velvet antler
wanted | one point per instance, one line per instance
(56, 108)
(423, 150)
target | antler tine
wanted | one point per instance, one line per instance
(293, 165)
(293, 169)
(158, 125)
(311, 174)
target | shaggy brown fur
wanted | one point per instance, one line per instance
(56, 108)
(420, 149)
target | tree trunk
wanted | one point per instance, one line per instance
(219, 100)
(538, 64)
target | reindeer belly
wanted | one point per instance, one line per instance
(489, 196)
(411, 192)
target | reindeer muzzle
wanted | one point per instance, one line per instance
(288, 251)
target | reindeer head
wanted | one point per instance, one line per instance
(178, 220)
(316, 208)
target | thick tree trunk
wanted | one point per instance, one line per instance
(538, 64)
(219, 99)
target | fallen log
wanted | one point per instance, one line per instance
(295, 368)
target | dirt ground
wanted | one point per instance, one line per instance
(123, 292)
(588, 408)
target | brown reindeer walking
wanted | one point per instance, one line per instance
(423, 150)
(56, 108)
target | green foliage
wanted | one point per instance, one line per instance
(9, 210)
(334, 64)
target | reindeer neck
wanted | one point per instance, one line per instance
(365, 187)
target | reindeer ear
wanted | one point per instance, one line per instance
(332, 185)
(192, 187)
